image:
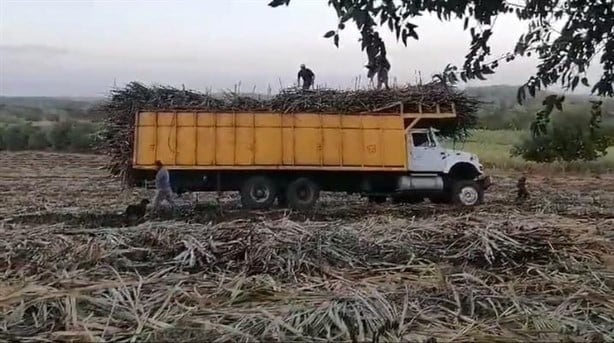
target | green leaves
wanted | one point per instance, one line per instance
(276, 3)
(564, 57)
(334, 35)
(329, 34)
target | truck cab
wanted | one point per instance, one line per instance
(427, 154)
(440, 174)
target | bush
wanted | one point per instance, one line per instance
(16, 137)
(81, 137)
(568, 139)
(72, 136)
(54, 117)
(59, 135)
(69, 136)
(2, 143)
(37, 140)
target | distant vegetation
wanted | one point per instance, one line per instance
(41, 123)
(64, 136)
(60, 124)
(494, 147)
(501, 110)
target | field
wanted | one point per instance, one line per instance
(493, 147)
(72, 271)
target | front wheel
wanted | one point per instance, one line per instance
(467, 193)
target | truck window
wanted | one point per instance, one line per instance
(420, 139)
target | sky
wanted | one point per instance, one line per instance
(84, 48)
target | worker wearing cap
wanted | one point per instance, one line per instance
(307, 75)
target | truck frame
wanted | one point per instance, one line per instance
(291, 158)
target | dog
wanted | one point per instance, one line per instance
(521, 188)
(136, 212)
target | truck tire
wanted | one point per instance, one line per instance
(467, 193)
(302, 194)
(258, 192)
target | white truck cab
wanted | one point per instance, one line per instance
(440, 174)
(428, 155)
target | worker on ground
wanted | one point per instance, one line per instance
(163, 187)
(307, 75)
(382, 67)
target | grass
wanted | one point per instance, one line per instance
(493, 148)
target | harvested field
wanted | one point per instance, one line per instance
(352, 271)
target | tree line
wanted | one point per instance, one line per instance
(63, 136)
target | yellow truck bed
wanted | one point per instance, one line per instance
(248, 141)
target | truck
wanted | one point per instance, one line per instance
(289, 158)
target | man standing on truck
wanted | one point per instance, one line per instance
(163, 187)
(382, 67)
(375, 47)
(308, 77)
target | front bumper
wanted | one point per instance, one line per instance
(484, 180)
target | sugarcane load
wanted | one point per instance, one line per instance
(382, 144)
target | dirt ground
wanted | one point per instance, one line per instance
(349, 270)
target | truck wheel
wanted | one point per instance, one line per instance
(467, 193)
(258, 192)
(302, 194)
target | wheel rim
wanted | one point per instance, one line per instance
(468, 196)
(303, 193)
(260, 194)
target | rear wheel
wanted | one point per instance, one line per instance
(302, 194)
(258, 192)
(467, 193)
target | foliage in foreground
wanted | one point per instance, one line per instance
(587, 35)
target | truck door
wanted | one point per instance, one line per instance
(425, 154)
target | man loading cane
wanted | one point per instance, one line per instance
(308, 77)
(382, 66)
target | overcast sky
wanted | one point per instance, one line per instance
(79, 47)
